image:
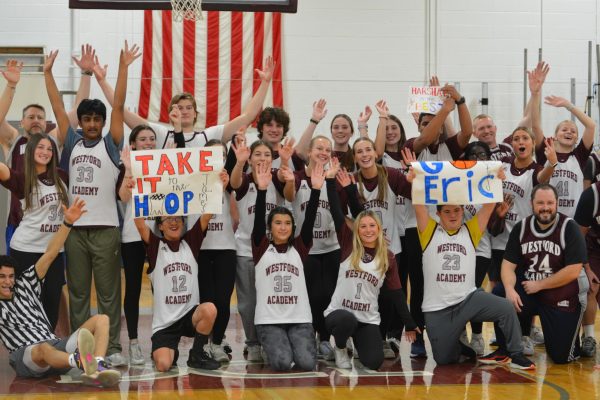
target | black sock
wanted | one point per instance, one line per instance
(199, 341)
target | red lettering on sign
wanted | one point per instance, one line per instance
(144, 159)
(204, 162)
(165, 165)
(182, 163)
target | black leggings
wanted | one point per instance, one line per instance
(482, 265)
(412, 261)
(216, 279)
(134, 256)
(52, 284)
(367, 340)
(321, 273)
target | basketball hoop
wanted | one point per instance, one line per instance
(190, 10)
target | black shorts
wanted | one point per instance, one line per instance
(496, 265)
(169, 337)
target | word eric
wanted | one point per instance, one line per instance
(432, 182)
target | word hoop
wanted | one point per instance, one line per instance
(190, 10)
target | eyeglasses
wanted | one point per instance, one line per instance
(480, 155)
(170, 220)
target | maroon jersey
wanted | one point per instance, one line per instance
(588, 215)
(542, 255)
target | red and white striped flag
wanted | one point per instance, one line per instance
(214, 59)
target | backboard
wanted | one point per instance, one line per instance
(286, 6)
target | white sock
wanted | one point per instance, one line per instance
(475, 335)
(72, 362)
(588, 330)
(133, 341)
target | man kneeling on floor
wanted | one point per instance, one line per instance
(25, 331)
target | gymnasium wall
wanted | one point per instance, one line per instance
(354, 52)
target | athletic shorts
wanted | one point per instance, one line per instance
(171, 335)
(20, 359)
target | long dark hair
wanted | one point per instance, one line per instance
(280, 210)
(31, 175)
(348, 160)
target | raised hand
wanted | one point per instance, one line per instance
(74, 212)
(286, 173)
(319, 111)
(242, 152)
(557, 101)
(266, 74)
(12, 73)
(410, 176)
(129, 55)
(550, 151)
(364, 116)
(286, 150)
(317, 176)
(449, 104)
(126, 157)
(503, 208)
(88, 55)
(334, 167)
(344, 178)
(382, 108)
(263, 176)
(408, 156)
(537, 77)
(224, 177)
(99, 70)
(434, 81)
(450, 91)
(49, 61)
(175, 118)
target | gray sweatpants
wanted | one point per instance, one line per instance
(284, 343)
(445, 326)
(246, 297)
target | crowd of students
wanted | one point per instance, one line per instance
(319, 239)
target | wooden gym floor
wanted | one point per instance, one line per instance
(400, 378)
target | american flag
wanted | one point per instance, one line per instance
(214, 59)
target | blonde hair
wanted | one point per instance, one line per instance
(358, 249)
(382, 175)
(565, 122)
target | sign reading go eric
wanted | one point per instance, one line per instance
(176, 181)
(456, 182)
(425, 99)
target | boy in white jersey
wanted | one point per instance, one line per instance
(93, 165)
(25, 330)
(451, 298)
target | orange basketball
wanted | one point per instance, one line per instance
(463, 164)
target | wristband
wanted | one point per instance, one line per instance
(460, 101)
(87, 72)
(314, 121)
(68, 225)
(555, 164)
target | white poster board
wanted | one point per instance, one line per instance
(176, 181)
(425, 99)
(456, 182)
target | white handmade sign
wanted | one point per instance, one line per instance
(456, 182)
(425, 99)
(176, 181)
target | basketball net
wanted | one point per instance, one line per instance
(186, 10)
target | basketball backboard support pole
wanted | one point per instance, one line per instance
(285, 6)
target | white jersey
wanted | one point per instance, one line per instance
(405, 212)
(219, 233)
(93, 177)
(324, 236)
(567, 178)
(129, 233)
(246, 208)
(174, 283)
(518, 184)
(281, 295)
(448, 268)
(358, 291)
(484, 247)
(386, 211)
(164, 136)
(40, 221)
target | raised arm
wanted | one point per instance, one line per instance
(143, 229)
(71, 215)
(588, 123)
(127, 182)
(263, 178)
(255, 105)
(58, 107)
(431, 132)
(12, 74)
(317, 178)
(86, 65)
(318, 113)
(127, 57)
(363, 119)
(536, 79)
(545, 174)
(383, 110)
(464, 116)
(242, 154)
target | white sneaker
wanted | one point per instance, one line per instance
(527, 346)
(136, 356)
(326, 351)
(388, 353)
(342, 360)
(254, 353)
(536, 335)
(477, 343)
(116, 360)
(218, 352)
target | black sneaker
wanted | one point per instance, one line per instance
(467, 351)
(519, 361)
(202, 360)
(496, 357)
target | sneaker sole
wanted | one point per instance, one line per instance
(134, 361)
(521, 367)
(86, 344)
(493, 362)
(106, 378)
